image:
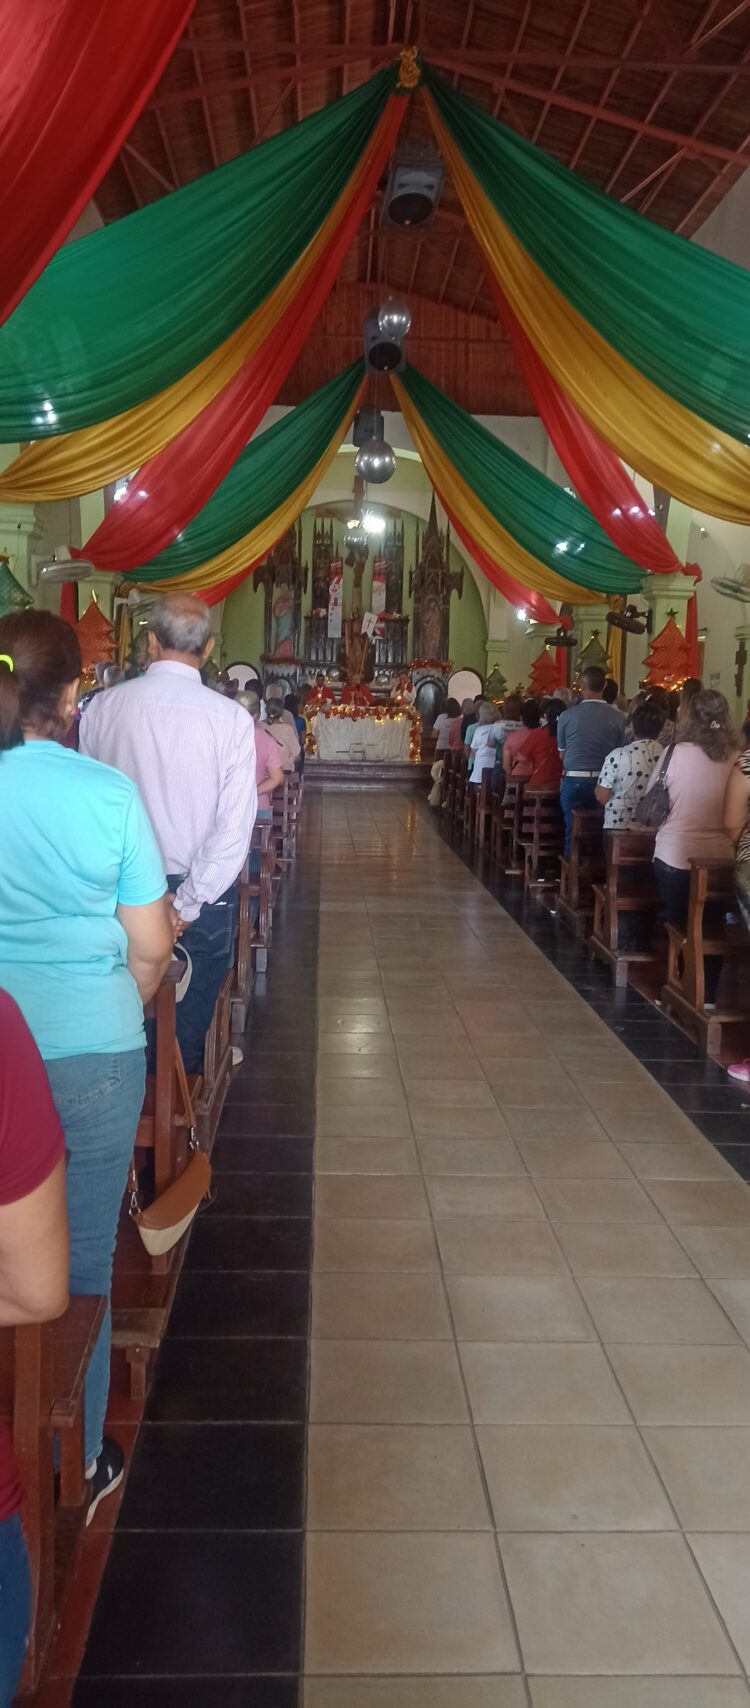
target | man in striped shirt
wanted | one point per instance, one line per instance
(192, 755)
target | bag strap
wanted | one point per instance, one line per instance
(187, 1101)
(664, 766)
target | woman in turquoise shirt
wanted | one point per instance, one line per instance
(85, 935)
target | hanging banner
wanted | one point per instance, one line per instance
(335, 598)
(379, 567)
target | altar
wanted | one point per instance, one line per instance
(375, 735)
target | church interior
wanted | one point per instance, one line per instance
(378, 374)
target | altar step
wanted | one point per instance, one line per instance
(365, 774)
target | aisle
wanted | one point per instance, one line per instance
(521, 1388)
(524, 1478)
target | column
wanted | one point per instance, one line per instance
(665, 593)
(497, 644)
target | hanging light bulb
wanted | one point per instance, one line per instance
(394, 319)
(375, 462)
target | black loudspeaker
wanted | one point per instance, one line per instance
(382, 355)
(368, 423)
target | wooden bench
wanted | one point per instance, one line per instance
(626, 904)
(42, 1372)
(461, 784)
(541, 837)
(505, 827)
(684, 992)
(580, 869)
(483, 808)
(448, 782)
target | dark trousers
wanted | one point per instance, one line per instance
(674, 889)
(575, 793)
(209, 941)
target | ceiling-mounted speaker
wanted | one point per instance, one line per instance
(383, 355)
(369, 423)
(412, 193)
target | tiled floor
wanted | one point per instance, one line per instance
(526, 1463)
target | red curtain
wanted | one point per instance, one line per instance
(594, 468)
(74, 75)
(69, 602)
(169, 490)
(522, 597)
(691, 620)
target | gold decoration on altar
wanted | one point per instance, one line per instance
(409, 69)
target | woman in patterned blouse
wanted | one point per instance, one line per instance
(626, 772)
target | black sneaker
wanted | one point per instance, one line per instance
(108, 1474)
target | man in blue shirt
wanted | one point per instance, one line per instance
(586, 733)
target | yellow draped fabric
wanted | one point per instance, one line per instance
(478, 520)
(261, 539)
(76, 463)
(698, 463)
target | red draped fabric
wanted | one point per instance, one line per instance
(74, 75)
(69, 602)
(169, 490)
(594, 468)
(691, 620)
(522, 597)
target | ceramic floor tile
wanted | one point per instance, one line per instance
(383, 1093)
(571, 1477)
(734, 1296)
(489, 1245)
(459, 1123)
(518, 1308)
(596, 1201)
(609, 1248)
(366, 1243)
(725, 1564)
(612, 1604)
(465, 1094)
(470, 1156)
(419, 1693)
(380, 1307)
(405, 1604)
(639, 1693)
(541, 1384)
(706, 1474)
(719, 1253)
(660, 1311)
(366, 1156)
(578, 1159)
(401, 1196)
(690, 1161)
(472, 1195)
(701, 1203)
(685, 1384)
(375, 1381)
(367, 1477)
(562, 1124)
(350, 1120)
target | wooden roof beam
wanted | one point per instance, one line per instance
(660, 95)
(208, 121)
(583, 13)
(632, 38)
(249, 70)
(670, 166)
(695, 207)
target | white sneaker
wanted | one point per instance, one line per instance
(238, 1055)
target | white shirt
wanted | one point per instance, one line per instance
(483, 750)
(191, 753)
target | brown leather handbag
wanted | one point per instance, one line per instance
(168, 1218)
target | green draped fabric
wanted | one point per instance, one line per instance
(120, 315)
(548, 522)
(265, 473)
(675, 311)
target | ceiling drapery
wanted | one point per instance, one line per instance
(74, 75)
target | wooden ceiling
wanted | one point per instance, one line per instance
(646, 98)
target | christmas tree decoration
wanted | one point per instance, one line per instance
(13, 597)
(545, 675)
(592, 653)
(496, 685)
(96, 638)
(667, 663)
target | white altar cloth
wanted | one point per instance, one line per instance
(353, 740)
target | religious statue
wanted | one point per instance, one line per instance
(283, 579)
(432, 583)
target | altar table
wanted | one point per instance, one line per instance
(343, 737)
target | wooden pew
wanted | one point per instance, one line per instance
(505, 827)
(42, 1371)
(541, 836)
(483, 808)
(580, 869)
(461, 783)
(684, 992)
(628, 893)
(448, 784)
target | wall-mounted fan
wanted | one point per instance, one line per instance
(633, 621)
(62, 567)
(562, 637)
(734, 586)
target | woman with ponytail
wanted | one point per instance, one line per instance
(85, 936)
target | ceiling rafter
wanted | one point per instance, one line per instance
(710, 190)
(347, 32)
(252, 98)
(583, 12)
(297, 57)
(632, 37)
(716, 29)
(670, 166)
(148, 166)
(198, 69)
(660, 96)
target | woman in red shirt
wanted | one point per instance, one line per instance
(540, 751)
(33, 1282)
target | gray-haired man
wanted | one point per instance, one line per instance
(192, 755)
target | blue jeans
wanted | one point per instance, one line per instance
(99, 1100)
(575, 793)
(209, 941)
(15, 1607)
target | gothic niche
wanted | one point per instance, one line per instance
(284, 580)
(432, 583)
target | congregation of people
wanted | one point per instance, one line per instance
(117, 859)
